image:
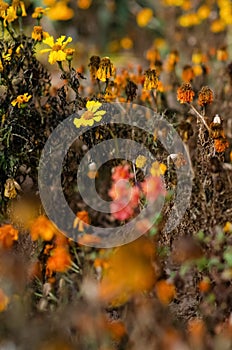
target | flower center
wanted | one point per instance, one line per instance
(56, 47)
(88, 115)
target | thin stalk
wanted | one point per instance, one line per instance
(200, 116)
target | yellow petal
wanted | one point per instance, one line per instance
(49, 41)
(93, 106)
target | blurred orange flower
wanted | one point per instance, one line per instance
(42, 228)
(4, 300)
(8, 234)
(59, 261)
(144, 16)
(165, 291)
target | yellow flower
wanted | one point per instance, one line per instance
(84, 4)
(217, 26)
(144, 17)
(203, 12)
(57, 49)
(91, 115)
(3, 7)
(38, 33)
(21, 100)
(9, 15)
(126, 43)
(60, 12)
(188, 20)
(158, 169)
(151, 79)
(140, 161)
(105, 70)
(39, 12)
(19, 8)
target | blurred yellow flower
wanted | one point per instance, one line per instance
(217, 26)
(144, 16)
(57, 49)
(126, 43)
(38, 34)
(21, 100)
(189, 19)
(84, 4)
(3, 7)
(158, 169)
(140, 161)
(227, 227)
(203, 12)
(60, 11)
(91, 115)
(39, 12)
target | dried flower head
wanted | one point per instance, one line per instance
(93, 66)
(105, 70)
(151, 79)
(205, 96)
(131, 90)
(221, 144)
(10, 188)
(38, 34)
(185, 93)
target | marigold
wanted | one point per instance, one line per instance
(205, 96)
(221, 145)
(21, 100)
(42, 228)
(8, 234)
(59, 261)
(39, 12)
(185, 93)
(38, 34)
(105, 70)
(151, 79)
(165, 291)
(57, 49)
(91, 115)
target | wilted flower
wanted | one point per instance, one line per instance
(19, 8)
(185, 93)
(38, 34)
(105, 70)
(205, 96)
(9, 15)
(57, 49)
(38, 13)
(10, 188)
(131, 90)
(21, 100)
(93, 66)
(91, 115)
(221, 145)
(151, 79)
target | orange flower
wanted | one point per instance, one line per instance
(165, 291)
(82, 219)
(204, 285)
(8, 234)
(4, 300)
(59, 261)
(205, 96)
(42, 228)
(185, 93)
(221, 145)
(187, 74)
